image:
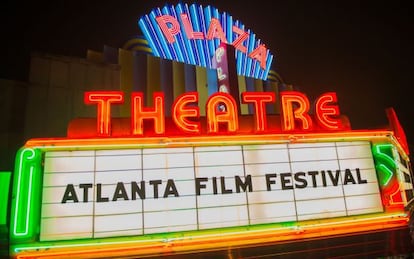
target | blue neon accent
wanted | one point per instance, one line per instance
(204, 28)
(262, 71)
(207, 19)
(192, 43)
(196, 44)
(185, 43)
(148, 36)
(256, 67)
(238, 61)
(160, 36)
(201, 52)
(178, 47)
(238, 54)
(268, 64)
(250, 47)
(229, 28)
(155, 37)
(169, 49)
(215, 14)
(244, 55)
(172, 46)
(223, 22)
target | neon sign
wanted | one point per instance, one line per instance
(294, 108)
(160, 190)
(192, 34)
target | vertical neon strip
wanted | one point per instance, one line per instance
(4, 196)
(169, 47)
(160, 36)
(194, 53)
(256, 67)
(26, 190)
(207, 21)
(229, 28)
(215, 14)
(154, 35)
(250, 47)
(175, 47)
(204, 28)
(148, 35)
(269, 59)
(223, 22)
(199, 50)
(187, 45)
(157, 13)
(231, 36)
(239, 55)
(244, 55)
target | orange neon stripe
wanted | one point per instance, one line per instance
(211, 140)
(221, 241)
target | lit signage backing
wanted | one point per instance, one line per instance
(90, 194)
(192, 34)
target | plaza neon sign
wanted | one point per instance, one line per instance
(192, 34)
(295, 107)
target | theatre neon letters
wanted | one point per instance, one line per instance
(295, 110)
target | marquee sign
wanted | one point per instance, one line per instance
(90, 194)
(192, 34)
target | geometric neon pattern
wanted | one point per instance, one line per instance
(201, 51)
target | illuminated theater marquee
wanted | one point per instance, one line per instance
(192, 34)
(89, 193)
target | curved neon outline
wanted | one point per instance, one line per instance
(294, 227)
(16, 215)
(387, 159)
(384, 169)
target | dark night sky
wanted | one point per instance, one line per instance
(363, 50)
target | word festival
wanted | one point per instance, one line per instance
(214, 185)
(294, 112)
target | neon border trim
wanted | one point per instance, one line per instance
(25, 207)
